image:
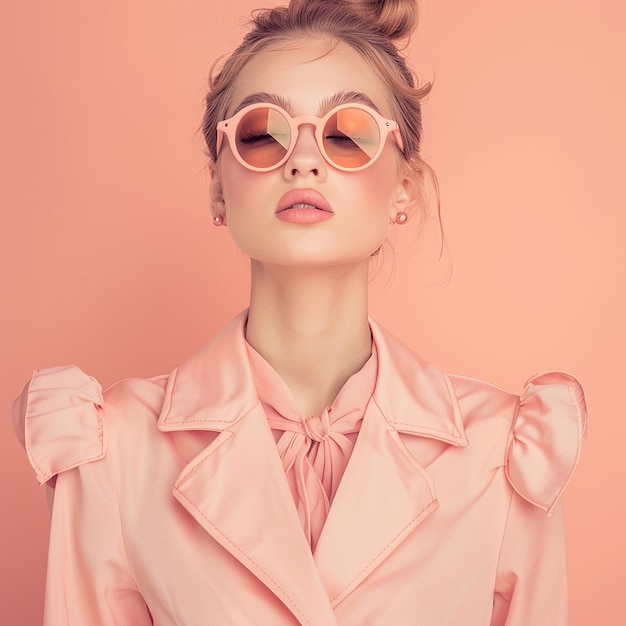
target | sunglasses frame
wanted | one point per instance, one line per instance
(229, 127)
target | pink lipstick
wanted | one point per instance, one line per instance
(303, 206)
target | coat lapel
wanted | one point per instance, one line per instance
(413, 398)
(383, 495)
(236, 487)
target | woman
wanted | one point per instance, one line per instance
(306, 467)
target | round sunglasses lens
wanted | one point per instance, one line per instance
(351, 138)
(263, 137)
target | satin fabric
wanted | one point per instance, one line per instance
(172, 504)
(314, 449)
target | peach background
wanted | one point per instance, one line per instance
(109, 259)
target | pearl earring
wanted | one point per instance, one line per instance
(218, 220)
(401, 218)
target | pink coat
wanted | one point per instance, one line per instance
(172, 507)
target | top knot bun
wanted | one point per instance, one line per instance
(396, 19)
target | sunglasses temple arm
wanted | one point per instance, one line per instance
(218, 144)
(398, 137)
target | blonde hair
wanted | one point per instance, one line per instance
(371, 27)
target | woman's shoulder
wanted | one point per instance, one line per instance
(546, 392)
(132, 395)
(536, 435)
(64, 419)
(545, 424)
(553, 396)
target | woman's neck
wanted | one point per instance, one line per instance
(311, 326)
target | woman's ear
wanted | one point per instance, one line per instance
(216, 194)
(407, 198)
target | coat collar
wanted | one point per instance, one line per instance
(237, 491)
(215, 387)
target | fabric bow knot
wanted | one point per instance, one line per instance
(316, 428)
(314, 452)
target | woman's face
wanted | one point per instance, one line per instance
(359, 204)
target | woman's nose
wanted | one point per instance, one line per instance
(306, 158)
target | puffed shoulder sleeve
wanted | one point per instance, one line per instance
(546, 438)
(58, 420)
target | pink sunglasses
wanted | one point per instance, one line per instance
(350, 137)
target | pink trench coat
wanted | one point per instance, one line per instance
(172, 506)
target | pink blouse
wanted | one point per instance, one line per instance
(314, 450)
(172, 505)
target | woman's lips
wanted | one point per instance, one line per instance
(303, 206)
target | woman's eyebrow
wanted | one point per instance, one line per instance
(328, 103)
(263, 98)
(345, 97)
